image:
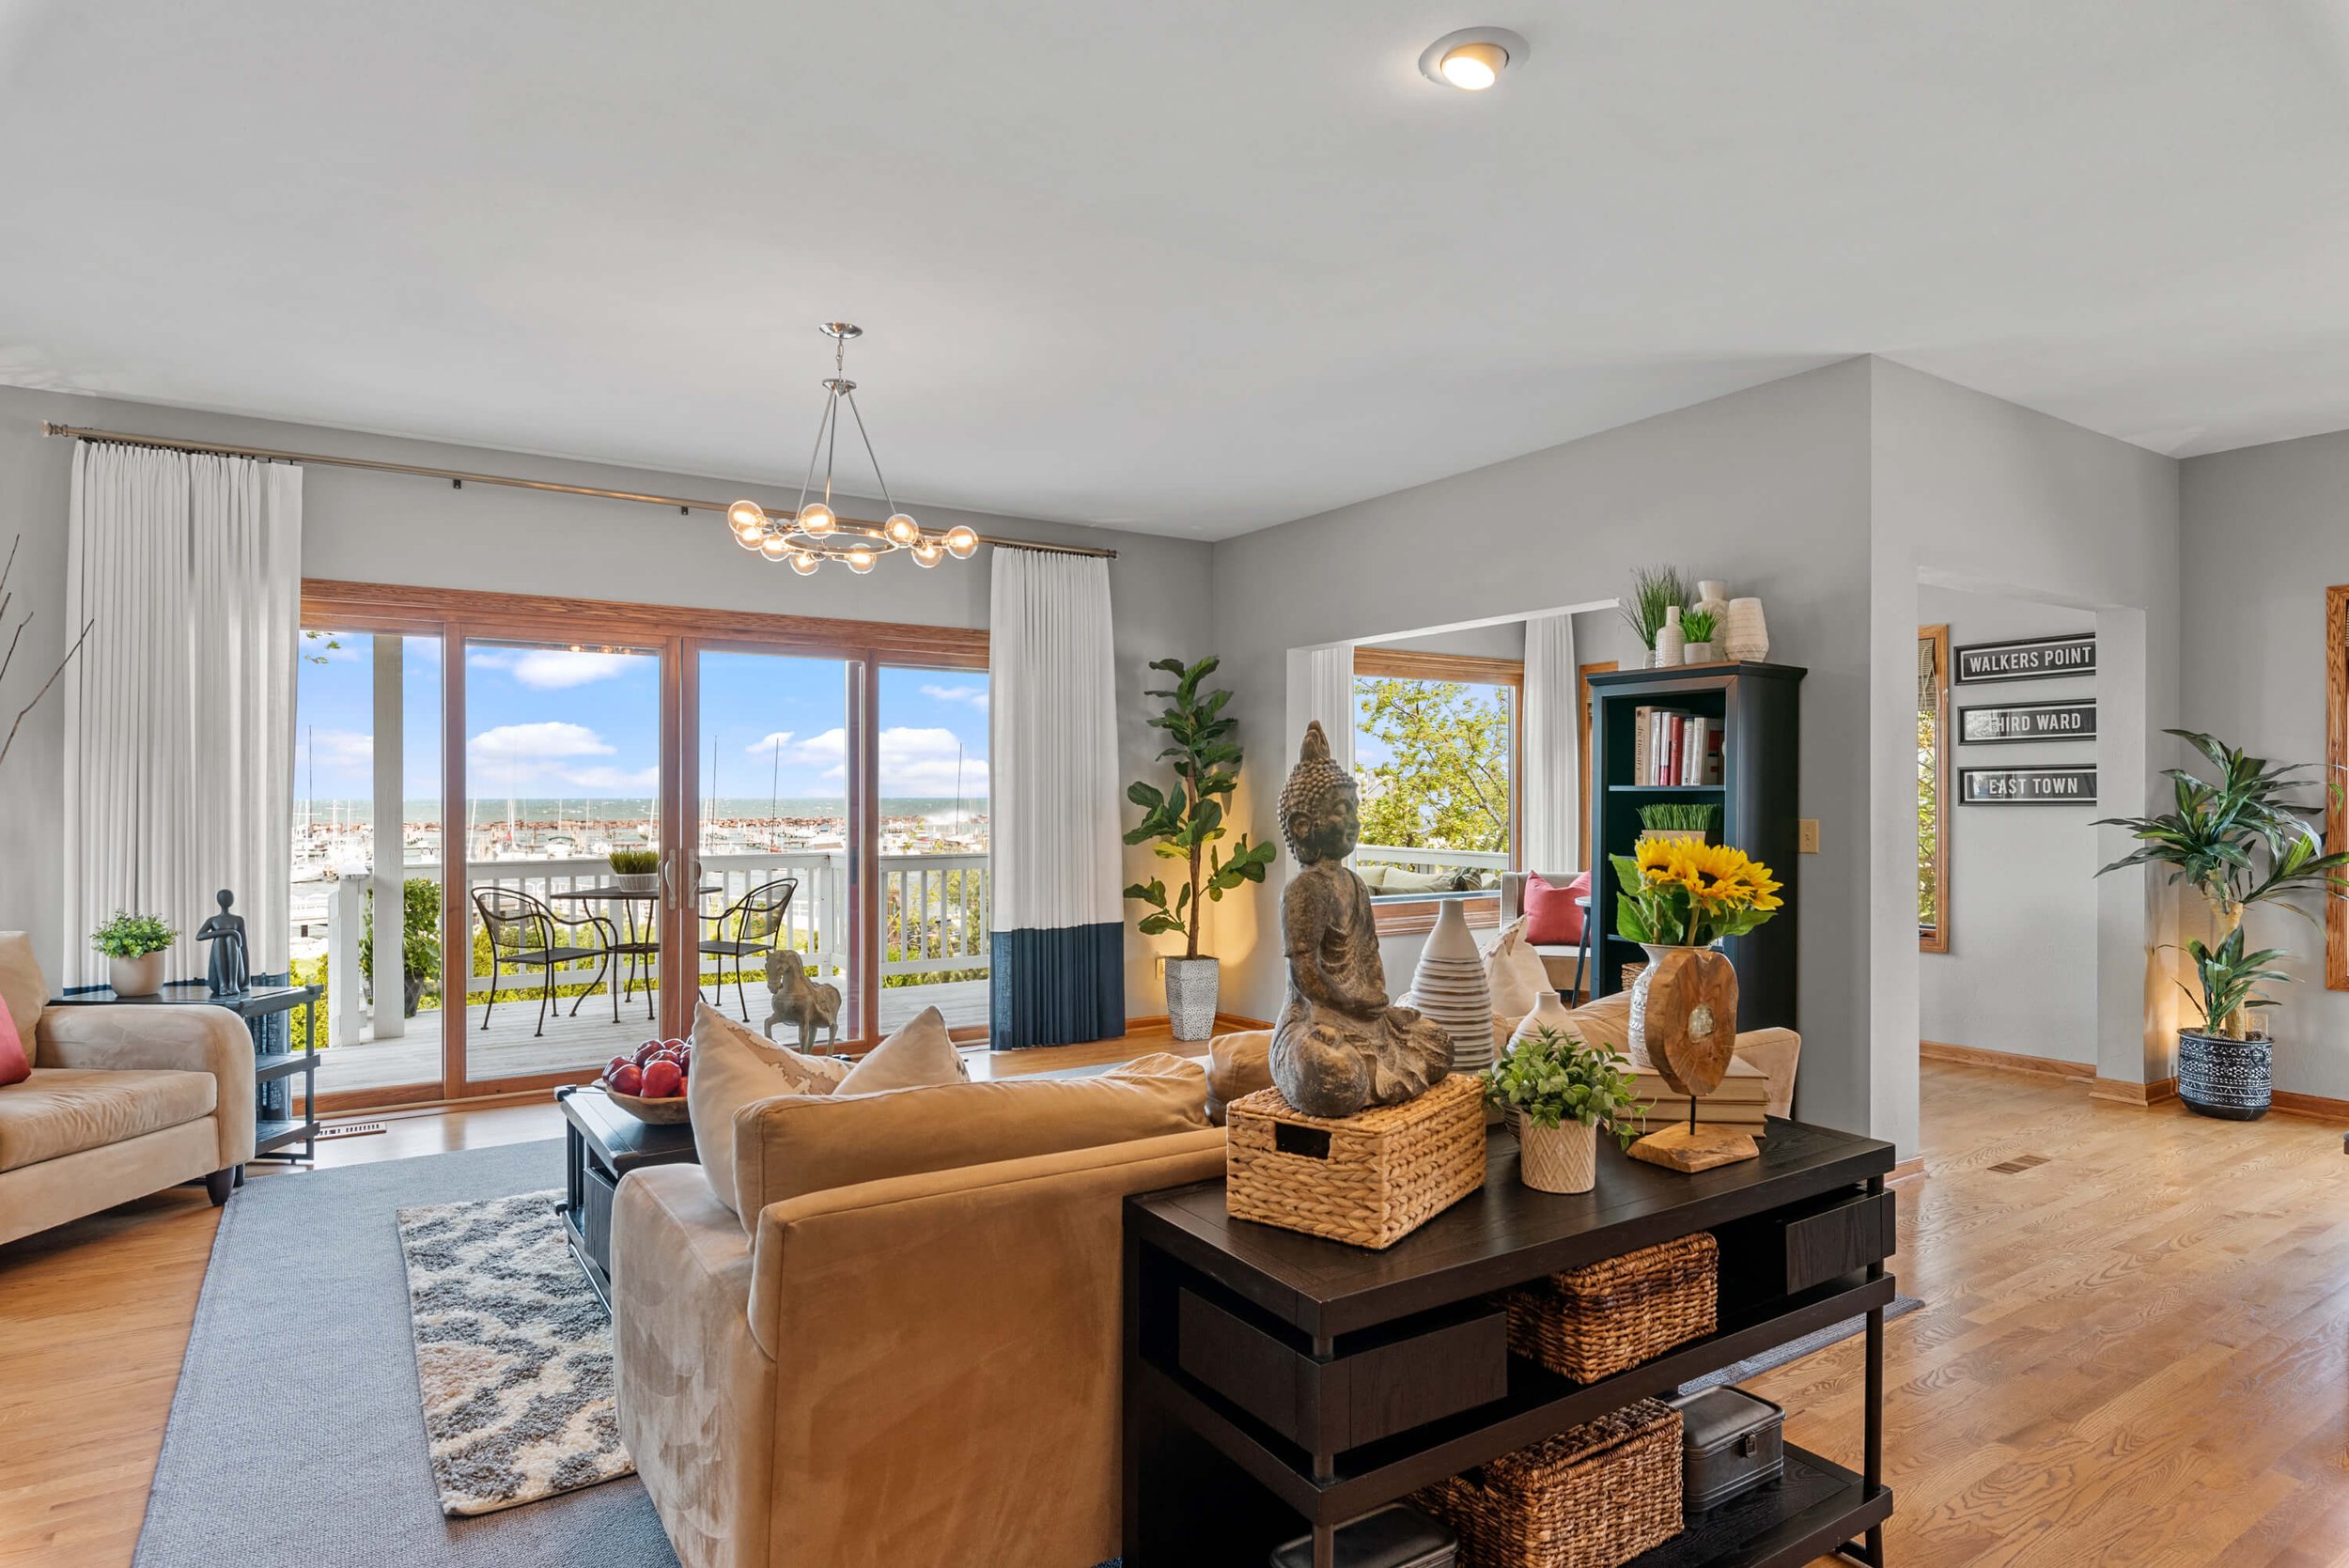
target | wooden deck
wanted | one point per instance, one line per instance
(509, 1048)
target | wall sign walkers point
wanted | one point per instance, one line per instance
(2026, 787)
(2028, 658)
(2072, 721)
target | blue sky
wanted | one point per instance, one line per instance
(544, 721)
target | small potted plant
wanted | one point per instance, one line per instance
(135, 944)
(2225, 1067)
(1691, 820)
(636, 870)
(1657, 597)
(1698, 625)
(1563, 1092)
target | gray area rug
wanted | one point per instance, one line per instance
(513, 1352)
(1795, 1350)
(296, 1435)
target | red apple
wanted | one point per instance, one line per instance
(629, 1079)
(662, 1081)
(616, 1063)
(647, 1052)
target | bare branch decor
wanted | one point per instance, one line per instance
(6, 597)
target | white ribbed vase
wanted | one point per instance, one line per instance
(1745, 635)
(1563, 1158)
(1450, 987)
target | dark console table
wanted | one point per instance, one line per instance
(276, 1128)
(600, 1144)
(1277, 1383)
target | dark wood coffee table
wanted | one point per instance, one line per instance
(600, 1144)
(1277, 1383)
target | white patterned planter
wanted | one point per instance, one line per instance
(1563, 1158)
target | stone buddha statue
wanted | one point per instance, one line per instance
(1339, 1046)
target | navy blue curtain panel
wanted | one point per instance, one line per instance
(1060, 987)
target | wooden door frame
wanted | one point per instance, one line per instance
(1937, 940)
(678, 633)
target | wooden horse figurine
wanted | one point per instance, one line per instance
(800, 1001)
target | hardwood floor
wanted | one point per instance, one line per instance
(2135, 1353)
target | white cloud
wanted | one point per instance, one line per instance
(766, 746)
(339, 748)
(537, 742)
(913, 761)
(558, 669)
(553, 758)
(974, 695)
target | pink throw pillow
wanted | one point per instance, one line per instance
(1553, 916)
(14, 1066)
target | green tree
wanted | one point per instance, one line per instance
(1445, 785)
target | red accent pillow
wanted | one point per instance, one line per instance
(1553, 915)
(14, 1067)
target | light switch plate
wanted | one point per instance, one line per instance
(1808, 843)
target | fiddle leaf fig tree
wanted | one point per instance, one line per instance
(1185, 822)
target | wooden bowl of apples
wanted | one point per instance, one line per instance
(650, 1084)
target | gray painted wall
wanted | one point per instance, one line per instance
(2018, 976)
(1766, 488)
(2264, 537)
(400, 529)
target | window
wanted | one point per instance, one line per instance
(1436, 756)
(1932, 781)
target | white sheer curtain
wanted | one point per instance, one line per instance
(1551, 837)
(1057, 873)
(1321, 686)
(179, 715)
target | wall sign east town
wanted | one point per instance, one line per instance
(2028, 658)
(2026, 787)
(2075, 721)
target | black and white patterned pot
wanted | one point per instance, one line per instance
(2227, 1079)
(1191, 992)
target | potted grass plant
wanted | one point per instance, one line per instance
(2246, 837)
(1562, 1091)
(1656, 598)
(1690, 820)
(1184, 824)
(134, 946)
(636, 870)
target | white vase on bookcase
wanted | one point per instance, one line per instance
(1671, 643)
(1745, 635)
(1450, 987)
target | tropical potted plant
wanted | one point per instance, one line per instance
(1677, 898)
(135, 945)
(635, 870)
(2246, 838)
(1184, 824)
(1658, 593)
(1563, 1092)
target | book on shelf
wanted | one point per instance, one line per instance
(1670, 1113)
(1673, 747)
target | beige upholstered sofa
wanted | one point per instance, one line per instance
(123, 1101)
(914, 1370)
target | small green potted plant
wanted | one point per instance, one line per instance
(1691, 820)
(1698, 626)
(1563, 1092)
(135, 945)
(636, 870)
(1655, 600)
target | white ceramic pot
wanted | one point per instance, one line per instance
(1671, 643)
(142, 976)
(1698, 653)
(1713, 594)
(1563, 1158)
(1745, 634)
(1191, 993)
(636, 881)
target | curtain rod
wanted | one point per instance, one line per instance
(461, 478)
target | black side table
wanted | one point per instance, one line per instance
(600, 1144)
(275, 1129)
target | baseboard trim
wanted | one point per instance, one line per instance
(1232, 1023)
(1906, 1170)
(2003, 1061)
(1225, 1023)
(2286, 1103)
(2119, 1091)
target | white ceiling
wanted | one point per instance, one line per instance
(1191, 266)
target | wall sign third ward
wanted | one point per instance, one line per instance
(2072, 721)
(2028, 658)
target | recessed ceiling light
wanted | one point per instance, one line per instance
(1472, 58)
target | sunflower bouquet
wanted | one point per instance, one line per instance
(1675, 892)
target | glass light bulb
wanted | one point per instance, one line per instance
(901, 529)
(746, 516)
(861, 560)
(804, 564)
(747, 541)
(774, 547)
(928, 551)
(818, 519)
(1474, 67)
(961, 541)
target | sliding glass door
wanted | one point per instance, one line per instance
(932, 751)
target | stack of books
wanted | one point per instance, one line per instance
(1740, 1101)
(1674, 746)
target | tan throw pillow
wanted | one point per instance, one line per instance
(1514, 973)
(1607, 1022)
(921, 1055)
(1238, 1064)
(732, 1068)
(787, 1147)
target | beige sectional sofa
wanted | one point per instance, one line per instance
(123, 1101)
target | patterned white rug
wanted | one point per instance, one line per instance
(513, 1354)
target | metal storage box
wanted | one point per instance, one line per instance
(1731, 1442)
(1393, 1537)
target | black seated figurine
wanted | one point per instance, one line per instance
(230, 970)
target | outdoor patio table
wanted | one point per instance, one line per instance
(635, 945)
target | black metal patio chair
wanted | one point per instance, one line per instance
(759, 922)
(521, 934)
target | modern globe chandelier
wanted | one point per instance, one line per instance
(813, 535)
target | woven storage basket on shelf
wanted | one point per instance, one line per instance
(1370, 1179)
(1593, 1496)
(1594, 1321)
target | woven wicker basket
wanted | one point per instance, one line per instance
(1594, 1322)
(1590, 1497)
(1370, 1179)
